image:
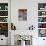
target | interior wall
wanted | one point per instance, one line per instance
(32, 17)
(31, 13)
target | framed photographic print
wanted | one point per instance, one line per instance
(3, 19)
(22, 14)
(4, 29)
(3, 13)
(42, 32)
(41, 6)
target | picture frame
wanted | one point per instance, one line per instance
(22, 14)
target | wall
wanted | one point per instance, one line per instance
(32, 14)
